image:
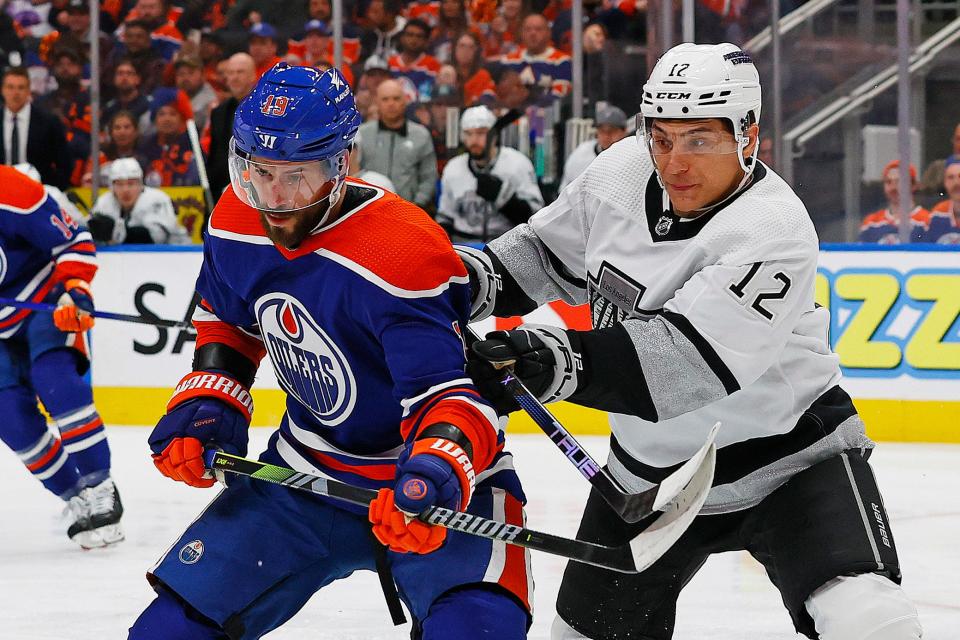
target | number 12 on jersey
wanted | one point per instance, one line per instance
(764, 294)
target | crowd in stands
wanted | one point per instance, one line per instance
(414, 65)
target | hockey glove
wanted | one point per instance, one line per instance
(74, 306)
(546, 359)
(207, 410)
(433, 471)
(101, 228)
(488, 186)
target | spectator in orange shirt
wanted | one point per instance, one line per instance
(122, 138)
(505, 29)
(474, 81)
(882, 226)
(322, 10)
(263, 47)
(160, 19)
(169, 157)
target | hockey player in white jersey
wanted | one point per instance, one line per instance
(698, 262)
(131, 213)
(486, 191)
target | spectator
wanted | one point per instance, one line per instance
(932, 182)
(451, 23)
(285, 16)
(504, 35)
(485, 192)
(367, 90)
(190, 80)
(322, 10)
(211, 53)
(160, 22)
(263, 47)
(241, 77)
(368, 176)
(546, 71)
(71, 103)
(31, 134)
(413, 63)
(512, 93)
(382, 37)
(168, 155)
(127, 93)
(883, 226)
(76, 34)
(136, 48)
(945, 216)
(131, 213)
(426, 10)
(611, 123)
(122, 139)
(473, 81)
(316, 50)
(400, 149)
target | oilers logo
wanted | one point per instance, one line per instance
(309, 365)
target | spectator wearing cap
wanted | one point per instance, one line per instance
(241, 77)
(263, 47)
(315, 49)
(286, 16)
(126, 91)
(189, 78)
(488, 190)
(159, 18)
(945, 215)
(399, 148)
(167, 153)
(322, 10)
(71, 103)
(383, 34)
(932, 182)
(473, 80)
(75, 33)
(545, 70)
(883, 226)
(132, 213)
(413, 62)
(611, 124)
(137, 49)
(32, 134)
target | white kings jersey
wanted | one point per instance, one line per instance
(695, 321)
(152, 210)
(472, 218)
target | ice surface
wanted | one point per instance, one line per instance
(49, 589)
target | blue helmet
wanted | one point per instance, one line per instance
(291, 139)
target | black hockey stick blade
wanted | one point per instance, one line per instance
(107, 315)
(632, 557)
(631, 507)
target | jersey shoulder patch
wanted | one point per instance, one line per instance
(20, 193)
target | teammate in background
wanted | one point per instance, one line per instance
(883, 226)
(46, 256)
(131, 213)
(485, 192)
(698, 263)
(611, 124)
(358, 298)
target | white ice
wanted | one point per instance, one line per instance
(50, 589)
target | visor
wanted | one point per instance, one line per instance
(275, 186)
(702, 143)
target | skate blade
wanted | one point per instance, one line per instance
(100, 537)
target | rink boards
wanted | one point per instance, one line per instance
(895, 325)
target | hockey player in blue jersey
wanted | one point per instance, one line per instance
(46, 256)
(358, 299)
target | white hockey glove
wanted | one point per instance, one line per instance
(484, 282)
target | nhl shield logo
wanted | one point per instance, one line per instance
(191, 552)
(663, 225)
(310, 366)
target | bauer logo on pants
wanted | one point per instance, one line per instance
(191, 552)
(309, 365)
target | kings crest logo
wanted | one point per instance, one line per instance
(309, 365)
(663, 225)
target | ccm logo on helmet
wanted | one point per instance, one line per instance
(673, 95)
(275, 105)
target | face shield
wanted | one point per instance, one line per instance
(273, 186)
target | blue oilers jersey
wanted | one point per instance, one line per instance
(40, 246)
(362, 324)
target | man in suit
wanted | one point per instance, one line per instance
(30, 134)
(241, 78)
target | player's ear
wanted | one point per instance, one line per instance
(752, 139)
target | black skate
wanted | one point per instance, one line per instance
(98, 509)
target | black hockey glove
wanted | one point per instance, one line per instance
(101, 227)
(488, 186)
(546, 359)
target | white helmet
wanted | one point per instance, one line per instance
(695, 81)
(477, 118)
(125, 169)
(28, 170)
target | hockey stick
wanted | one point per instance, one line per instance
(632, 557)
(631, 507)
(201, 165)
(107, 315)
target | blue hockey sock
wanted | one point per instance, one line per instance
(476, 613)
(69, 400)
(167, 618)
(24, 430)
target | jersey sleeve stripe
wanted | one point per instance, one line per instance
(707, 352)
(411, 402)
(393, 290)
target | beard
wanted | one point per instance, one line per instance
(290, 237)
